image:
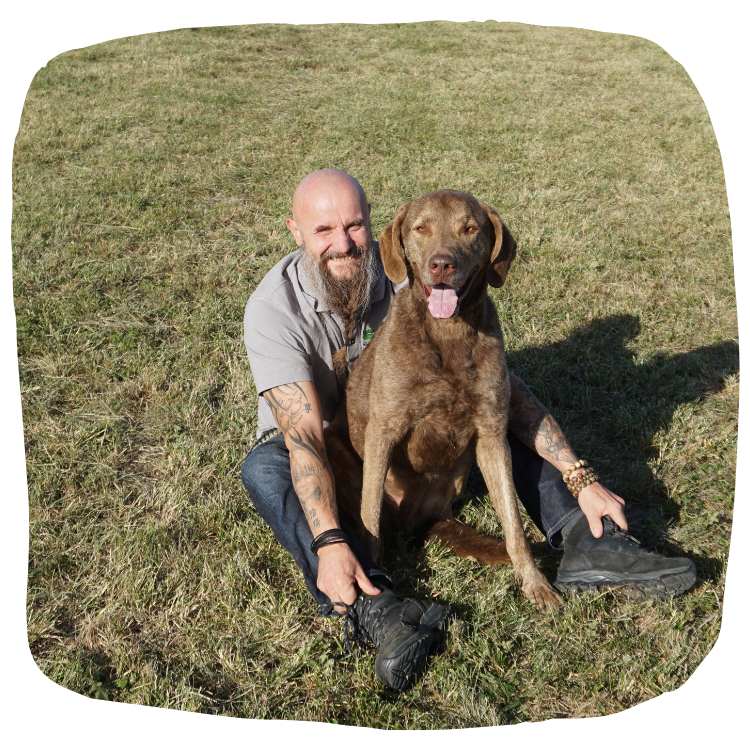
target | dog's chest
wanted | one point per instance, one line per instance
(443, 424)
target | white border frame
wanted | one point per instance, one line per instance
(710, 43)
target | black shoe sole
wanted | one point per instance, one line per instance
(415, 656)
(660, 587)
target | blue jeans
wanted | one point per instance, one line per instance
(267, 478)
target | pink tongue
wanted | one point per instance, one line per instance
(442, 302)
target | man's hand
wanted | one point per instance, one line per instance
(597, 501)
(339, 575)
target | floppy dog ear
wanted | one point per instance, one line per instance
(392, 249)
(503, 251)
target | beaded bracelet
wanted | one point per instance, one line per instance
(580, 464)
(584, 479)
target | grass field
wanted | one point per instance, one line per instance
(152, 177)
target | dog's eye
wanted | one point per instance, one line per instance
(418, 228)
(471, 229)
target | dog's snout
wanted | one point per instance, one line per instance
(442, 268)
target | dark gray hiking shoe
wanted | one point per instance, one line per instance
(617, 559)
(405, 632)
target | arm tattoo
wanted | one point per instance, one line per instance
(288, 404)
(534, 426)
(311, 476)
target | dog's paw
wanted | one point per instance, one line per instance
(542, 595)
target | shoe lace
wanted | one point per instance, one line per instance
(353, 633)
(612, 529)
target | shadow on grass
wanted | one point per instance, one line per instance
(611, 407)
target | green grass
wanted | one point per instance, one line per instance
(152, 177)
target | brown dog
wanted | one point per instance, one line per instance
(431, 392)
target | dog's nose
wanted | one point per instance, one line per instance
(442, 267)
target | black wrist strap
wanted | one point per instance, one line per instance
(331, 536)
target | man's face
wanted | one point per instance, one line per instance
(332, 224)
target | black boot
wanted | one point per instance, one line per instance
(405, 632)
(617, 559)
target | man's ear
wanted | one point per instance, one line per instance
(503, 250)
(291, 225)
(392, 248)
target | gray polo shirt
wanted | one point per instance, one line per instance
(291, 334)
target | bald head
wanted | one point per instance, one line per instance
(324, 183)
(331, 220)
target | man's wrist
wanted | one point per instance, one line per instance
(331, 550)
(579, 476)
(328, 538)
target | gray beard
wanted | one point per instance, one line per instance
(351, 297)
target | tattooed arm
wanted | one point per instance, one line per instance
(534, 426)
(296, 409)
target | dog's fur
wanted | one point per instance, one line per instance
(429, 395)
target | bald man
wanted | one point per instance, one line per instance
(305, 325)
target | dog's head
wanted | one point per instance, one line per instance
(450, 245)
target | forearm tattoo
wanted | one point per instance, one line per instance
(534, 426)
(308, 461)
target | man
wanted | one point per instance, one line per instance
(306, 322)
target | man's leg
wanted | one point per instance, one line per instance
(542, 492)
(614, 559)
(405, 631)
(267, 477)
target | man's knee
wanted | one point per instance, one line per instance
(255, 475)
(249, 472)
(266, 474)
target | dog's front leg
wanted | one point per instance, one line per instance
(378, 449)
(493, 457)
